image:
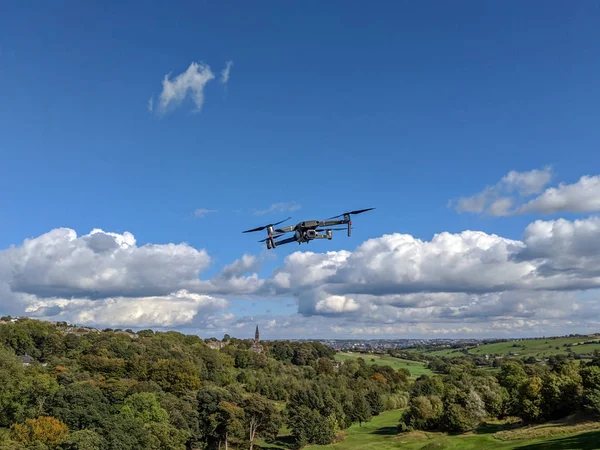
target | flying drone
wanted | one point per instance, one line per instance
(306, 231)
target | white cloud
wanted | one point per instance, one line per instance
(493, 200)
(225, 72)
(101, 264)
(394, 283)
(471, 277)
(279, 207)
(201, 212)
(580, 197)
(247, 263)
(191, 82)
(106, 278)
(336, 304)
(526, 183)
(177, 309)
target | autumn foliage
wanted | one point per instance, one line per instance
(45, 429)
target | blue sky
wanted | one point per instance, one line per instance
(330, 106)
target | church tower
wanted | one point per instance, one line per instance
(256, 335)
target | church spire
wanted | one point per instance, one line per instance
(256, 335)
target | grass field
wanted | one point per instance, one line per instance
(415, 368)
(380, 434)
(538, 348)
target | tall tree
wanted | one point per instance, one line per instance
(261, 418)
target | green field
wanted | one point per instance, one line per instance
(539, 348)
(380, 434)
(415, 368)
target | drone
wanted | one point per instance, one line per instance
(306, 231)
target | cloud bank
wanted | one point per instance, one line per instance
(455, 283)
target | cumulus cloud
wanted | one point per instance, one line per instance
(564, 249)
(580, 197)
(105, 278)
(177, 309)
(189, 83)
(496, 201)
(336, 304)
(453, 278)
(247, 263)
(279, 207)
(101, 264)
(395, 282)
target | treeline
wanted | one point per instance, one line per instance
(160, 391)
(458, 399)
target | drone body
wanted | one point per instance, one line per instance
(306, 231)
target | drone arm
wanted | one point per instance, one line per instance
(328, 223)
(285, 241)
(285, 229)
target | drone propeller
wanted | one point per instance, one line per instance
(348, 221)
(266, 226)
(358, 211)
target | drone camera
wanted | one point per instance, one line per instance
(311, 234)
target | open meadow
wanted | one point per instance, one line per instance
(415, 368)
(380, 434)
(538, 348)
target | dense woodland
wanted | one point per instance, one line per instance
(115, 390)
(118, 391)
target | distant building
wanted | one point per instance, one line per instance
(256, 347)
(26, 359)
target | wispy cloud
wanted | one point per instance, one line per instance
(151, 104)
(200, 212)
(531, 196)
(497, 200)
(279, 207)
(189, 83)
(225, 72)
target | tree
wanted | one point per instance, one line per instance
(39, 389)
(229, 422)
(50, 431)
(80, 405)
(261, 418)
(84, 440)
(12, 384)
(175, 375)
(361, 411)
(144, 408)
(375, 402)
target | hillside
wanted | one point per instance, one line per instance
(538, 348)
(71, 388)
